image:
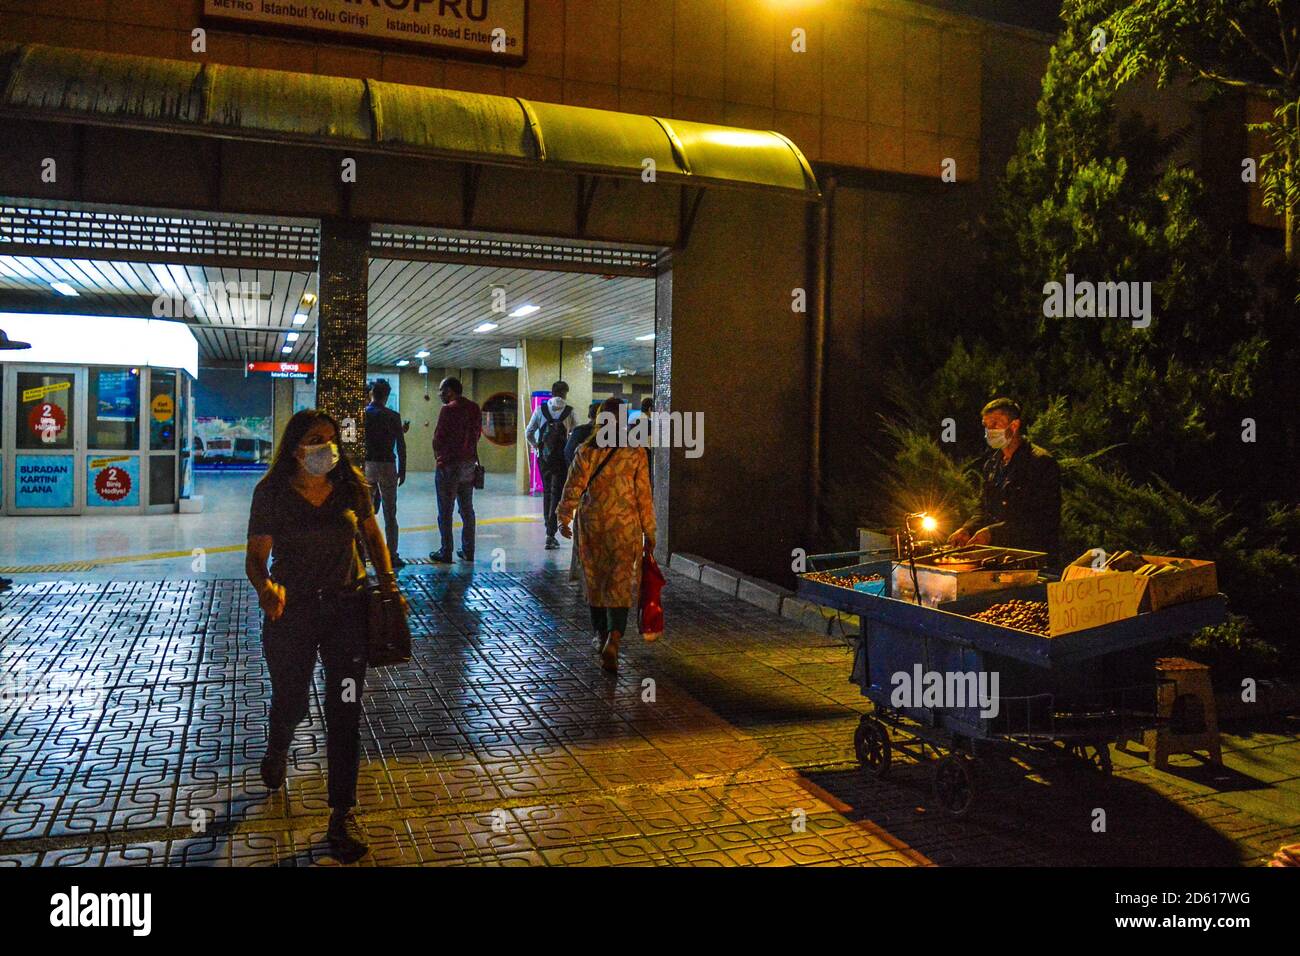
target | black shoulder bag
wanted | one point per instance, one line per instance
(388, 636)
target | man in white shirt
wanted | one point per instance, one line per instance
(547, 433)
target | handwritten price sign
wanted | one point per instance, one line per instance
(1091, 601)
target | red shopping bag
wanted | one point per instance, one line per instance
(651, 616)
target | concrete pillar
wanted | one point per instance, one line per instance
(341, 329)
(541, 363)
(663, 397)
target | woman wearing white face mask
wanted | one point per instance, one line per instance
(307, 512)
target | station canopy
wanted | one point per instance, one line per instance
(86, 86)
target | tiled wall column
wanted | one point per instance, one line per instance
(341, 329)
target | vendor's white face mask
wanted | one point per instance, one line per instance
(997, 437)
(321, 459)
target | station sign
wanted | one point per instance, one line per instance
(299, 370)
(475, 29)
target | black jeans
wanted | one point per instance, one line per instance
(552, 489)
(606, 619)
(337, 632)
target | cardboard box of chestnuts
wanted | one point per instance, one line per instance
(1189, 580)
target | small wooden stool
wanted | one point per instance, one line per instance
(1189, 704)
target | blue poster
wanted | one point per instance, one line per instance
(44, 481)
(119, 395)
(113, 481)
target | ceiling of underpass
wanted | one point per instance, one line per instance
(249, 314)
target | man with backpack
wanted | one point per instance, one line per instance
(547, 433)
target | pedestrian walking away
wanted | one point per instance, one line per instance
(305, 517)
(576, 438)
(548, 434)
(611, 485)
(385, 465)
(455, 450)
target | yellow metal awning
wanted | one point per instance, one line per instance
(45, 82)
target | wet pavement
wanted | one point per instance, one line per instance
(133, 720)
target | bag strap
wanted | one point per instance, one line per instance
(600, 468)
(546, 412)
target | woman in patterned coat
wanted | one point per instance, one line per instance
(612, 486)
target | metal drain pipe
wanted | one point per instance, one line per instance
(820, 273)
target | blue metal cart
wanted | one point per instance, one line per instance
(1074, 694)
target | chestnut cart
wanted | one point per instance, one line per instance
(1067, 696)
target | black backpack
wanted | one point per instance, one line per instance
(550, 443)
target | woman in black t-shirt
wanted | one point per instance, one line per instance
(306, 514)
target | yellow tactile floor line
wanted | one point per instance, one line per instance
(221, 549)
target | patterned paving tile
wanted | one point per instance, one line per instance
(728, 742)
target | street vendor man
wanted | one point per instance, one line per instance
(1020, 503)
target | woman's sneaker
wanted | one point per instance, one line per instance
(347, 842)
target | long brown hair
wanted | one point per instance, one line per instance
(285, 463)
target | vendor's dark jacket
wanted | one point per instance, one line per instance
(1021, 500)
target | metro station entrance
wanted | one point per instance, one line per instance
(294, 173)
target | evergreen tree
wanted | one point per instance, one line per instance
(1145, 420)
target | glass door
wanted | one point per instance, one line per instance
(113, 438)
(163, 437)
(44, 428)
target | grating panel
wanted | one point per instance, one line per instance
(394, 243)
(105, 233)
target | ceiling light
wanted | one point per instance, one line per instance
(287, 349)
(63, 288)
(424, 369)
(645, 338)
(598, 348)
(308, 299)
(291, 337)
(523, 310)
(485, 327)
(423, 353)
(402, 363)
(300, 318)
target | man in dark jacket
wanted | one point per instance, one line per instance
(385, 460)
(580, 435)
(1020, 504)
(455, 448)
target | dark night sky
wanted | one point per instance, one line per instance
(1037, 14)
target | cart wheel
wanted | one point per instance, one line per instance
(871, 743)
(953, 786)
(1096, 756)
